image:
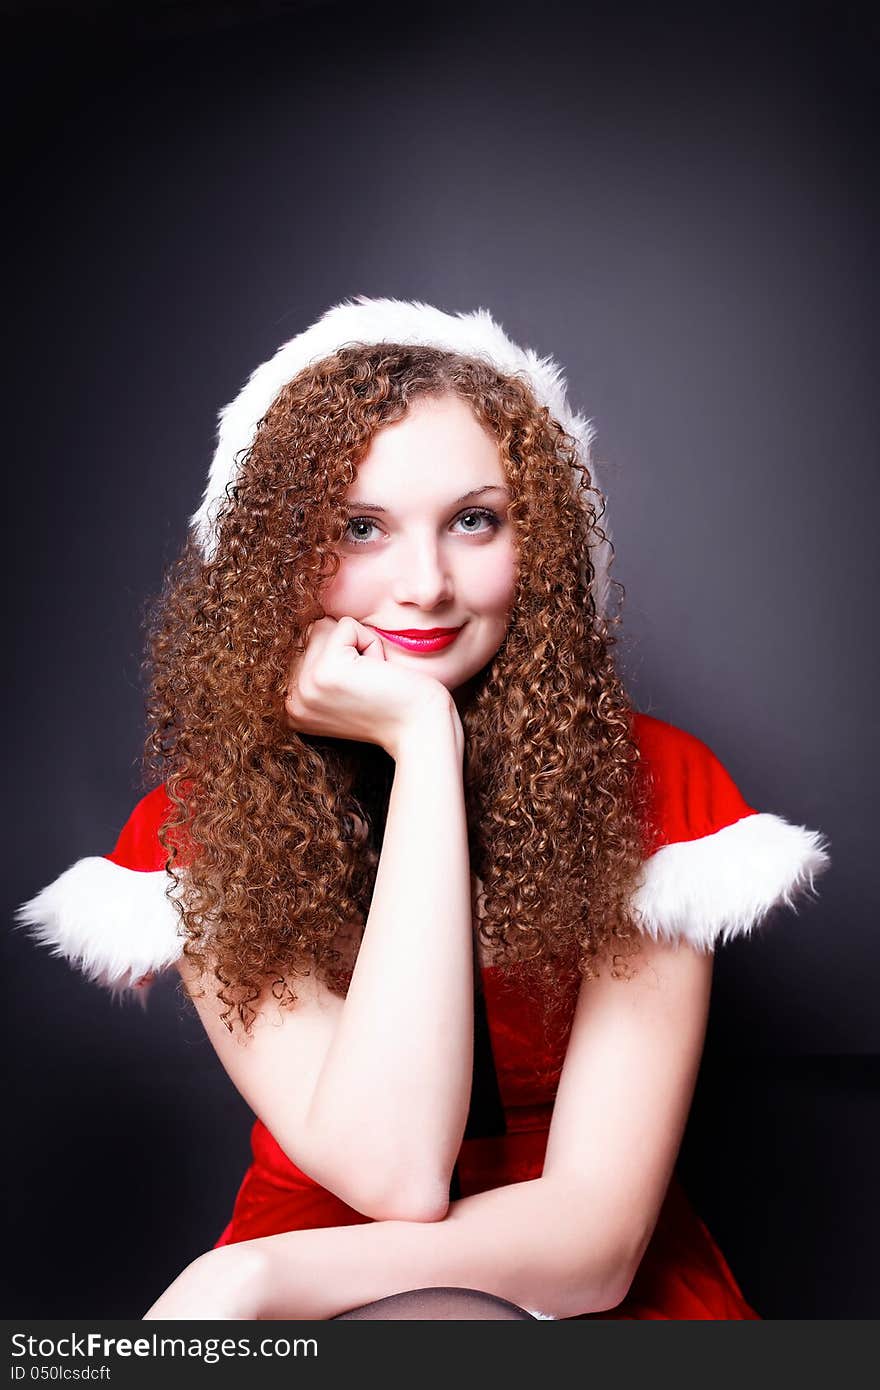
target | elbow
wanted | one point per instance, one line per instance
(405, 1194)
(593, 1288)
(612, 1279)
(612, 1287)
(422, 1204)
(613, 1294)
(581, 1296)
(378, 1191)
(582, 1264)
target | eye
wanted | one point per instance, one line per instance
(352, 523)
(472, 513)
(480, 512)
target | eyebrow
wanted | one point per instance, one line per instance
(465, 497)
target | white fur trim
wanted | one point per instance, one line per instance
(118, 925)
(114, 924)
(366, 320)
(722, 885)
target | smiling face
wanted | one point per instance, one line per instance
(428, 543)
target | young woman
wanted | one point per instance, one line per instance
(445, 904)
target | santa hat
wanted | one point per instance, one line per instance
(370, 321)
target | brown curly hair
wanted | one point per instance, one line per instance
(277, 834)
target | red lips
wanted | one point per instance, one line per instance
(424, 632)
(422, 640)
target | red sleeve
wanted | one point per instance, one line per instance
(714, 866)
(112, 915)
(139, 846)
(689, 792)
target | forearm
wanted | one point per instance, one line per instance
(392, 1096)
(533, 1243)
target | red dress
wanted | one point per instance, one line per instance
(715, 867)
(683, 1274)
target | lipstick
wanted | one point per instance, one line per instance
(429, 639)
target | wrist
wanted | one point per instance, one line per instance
(436, 723)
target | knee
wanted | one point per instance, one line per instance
(449, 1304)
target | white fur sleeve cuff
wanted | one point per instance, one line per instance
(116, 925)
(723, 885)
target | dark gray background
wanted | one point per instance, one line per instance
(674, 203)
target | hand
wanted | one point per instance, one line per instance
(225, 1283)
(344, 686)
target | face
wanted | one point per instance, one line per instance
(428, 543)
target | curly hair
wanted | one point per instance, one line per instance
(275, 838)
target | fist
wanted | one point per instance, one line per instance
(344, 686)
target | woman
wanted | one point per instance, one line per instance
(445, 904)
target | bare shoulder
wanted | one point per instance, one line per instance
(314, 1000)
(202, 991)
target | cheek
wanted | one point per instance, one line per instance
(346, 592)
(494, 586)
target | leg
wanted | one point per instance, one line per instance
(434, 1305)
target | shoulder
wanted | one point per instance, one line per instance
(715, 865)
(112, 915)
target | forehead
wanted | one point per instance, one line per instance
(437, 447)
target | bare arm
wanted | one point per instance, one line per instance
(369, 1095)
(389, 1107)
(539, 1244)
(566, 1243)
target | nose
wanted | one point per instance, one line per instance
(422, 575)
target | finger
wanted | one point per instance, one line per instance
(344, 633)
(361, 639)
(369, 643)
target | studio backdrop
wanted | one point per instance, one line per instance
(674, 205)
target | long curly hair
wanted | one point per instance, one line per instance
(275, 836)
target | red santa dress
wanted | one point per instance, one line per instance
(716, 867)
